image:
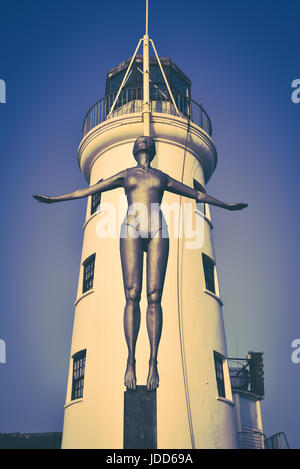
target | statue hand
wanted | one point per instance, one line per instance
(240, 206)
(43, 198)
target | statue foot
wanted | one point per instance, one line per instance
(153, 378)
(130, 378)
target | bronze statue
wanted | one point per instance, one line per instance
(144, 186)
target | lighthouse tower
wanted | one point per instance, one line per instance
(193, 405)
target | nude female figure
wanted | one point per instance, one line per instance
(144, 187)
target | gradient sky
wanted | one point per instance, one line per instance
(242, 57)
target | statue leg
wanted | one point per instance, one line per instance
(157, 259)
(131, 251)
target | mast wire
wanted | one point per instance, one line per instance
(180, 312)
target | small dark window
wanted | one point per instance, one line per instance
(95, 203)
(219, 374)
(78, 374)
(200, 206)
(88, 273)
(209, 273)
(96, 200)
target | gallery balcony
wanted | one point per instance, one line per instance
(130, 101)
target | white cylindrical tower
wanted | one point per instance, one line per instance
(193, 405)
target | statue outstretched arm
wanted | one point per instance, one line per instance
(179, 188)
(182, 189)
(102, 186)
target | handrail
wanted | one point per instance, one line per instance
(130, 101)
(276, 438)
(244, 376)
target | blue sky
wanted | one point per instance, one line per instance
(242, 57)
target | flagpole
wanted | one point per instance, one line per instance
(146, 78)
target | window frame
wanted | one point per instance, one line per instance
(220, 380)
(206, 260)
(81, 355)
(87, 263)
(95, 208)
(200, 205)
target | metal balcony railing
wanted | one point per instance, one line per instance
(246, 374)
(239, 374)
(131, 101)
(277, 441)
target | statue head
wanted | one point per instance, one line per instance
(146, 145)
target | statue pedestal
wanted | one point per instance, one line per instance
(140, 421)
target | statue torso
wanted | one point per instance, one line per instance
(144, 185)
(144, 189)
